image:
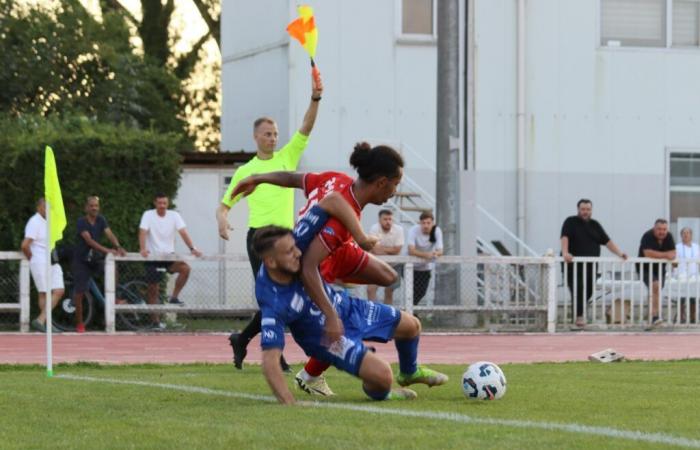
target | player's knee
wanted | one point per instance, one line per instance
(415, 325)
(184, 268)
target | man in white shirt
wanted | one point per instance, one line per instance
(390, 237)
(157, 232)
(424, 241)
(687, 250)
(34, 247)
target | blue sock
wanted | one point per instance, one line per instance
(408, 354)
(374, 395)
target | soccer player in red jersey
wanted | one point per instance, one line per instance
(333, 251)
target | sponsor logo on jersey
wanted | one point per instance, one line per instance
(297, 302)
(269, 335)
(269, 321)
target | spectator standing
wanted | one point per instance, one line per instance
(269, 204)
(424, 241)
(88, 257)
(656, 243)
(581, 235)
(157, 232)
(34, 246)
(687, 250)
(391, 242)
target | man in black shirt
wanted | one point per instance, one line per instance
(656, 243)
(88, 256)
(582, 236)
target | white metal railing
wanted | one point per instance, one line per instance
(21, 306)
(618, 293)
(483, 283)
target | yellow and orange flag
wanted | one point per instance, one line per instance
(304, 30)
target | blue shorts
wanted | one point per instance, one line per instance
(364, 321)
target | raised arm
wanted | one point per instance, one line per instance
(335, 205)
(284, 179)
(275, 378)
(310, 117)
(314, 287)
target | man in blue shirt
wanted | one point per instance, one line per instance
(284, 302)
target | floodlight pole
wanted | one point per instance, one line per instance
(448, 141)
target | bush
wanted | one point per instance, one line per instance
(123, 166)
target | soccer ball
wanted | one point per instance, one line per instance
(484, 381)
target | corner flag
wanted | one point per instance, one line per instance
(52, 193)
(55, 224)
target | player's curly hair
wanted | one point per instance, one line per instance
(375, 162)
(264, 238)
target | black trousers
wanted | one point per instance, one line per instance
(584, 290)
(254, 327)
(421, 281)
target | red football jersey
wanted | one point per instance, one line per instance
(316, 187)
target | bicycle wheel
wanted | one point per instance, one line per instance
(63, 316)
(133, 293)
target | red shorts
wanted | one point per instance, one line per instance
(344, 262)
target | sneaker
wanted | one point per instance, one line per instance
(239, 350)
(315, 386)
(38, 326)
(423, 375)
(176, 301)
(80, 328)
(158, 326)
(656, 322)
(402, 394)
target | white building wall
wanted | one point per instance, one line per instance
(599, 120)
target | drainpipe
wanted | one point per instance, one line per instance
(520, 108)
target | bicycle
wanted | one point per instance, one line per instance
(133, 292)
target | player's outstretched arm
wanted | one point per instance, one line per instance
(274, 376)
(335, 205)
(310, 117)
(284, 179)
(314, 287)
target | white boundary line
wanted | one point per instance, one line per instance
(654, 438)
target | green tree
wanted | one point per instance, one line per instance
(64, 61)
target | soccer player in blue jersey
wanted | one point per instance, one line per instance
(315, 323)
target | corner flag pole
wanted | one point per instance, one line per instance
(55, 224)
(48, 300)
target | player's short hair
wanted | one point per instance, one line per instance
(159, 195)
(91, 197)
(660, 222)
(583, 200)
(259, 121)
(385, 212)
(375, 162)
(426, 215)
(264, 238)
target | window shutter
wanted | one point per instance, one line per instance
(638, 23)
(685, 22)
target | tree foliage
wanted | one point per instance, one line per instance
(65, 61)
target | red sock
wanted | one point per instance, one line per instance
(315, 367)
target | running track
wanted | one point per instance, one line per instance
(16, 348)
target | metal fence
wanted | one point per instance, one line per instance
(462, 291)
(14, 291)
(484, 292)
(615, 293)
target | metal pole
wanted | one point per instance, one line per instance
(48, 299)
(448, 144)
(520, 107)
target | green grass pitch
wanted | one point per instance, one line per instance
(660, 400)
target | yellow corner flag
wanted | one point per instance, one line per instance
(52, 193)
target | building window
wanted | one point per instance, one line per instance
(684, 190)
(650, 23)
(417, 17)
(686, 15)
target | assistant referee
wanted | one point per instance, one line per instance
(268, 204)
